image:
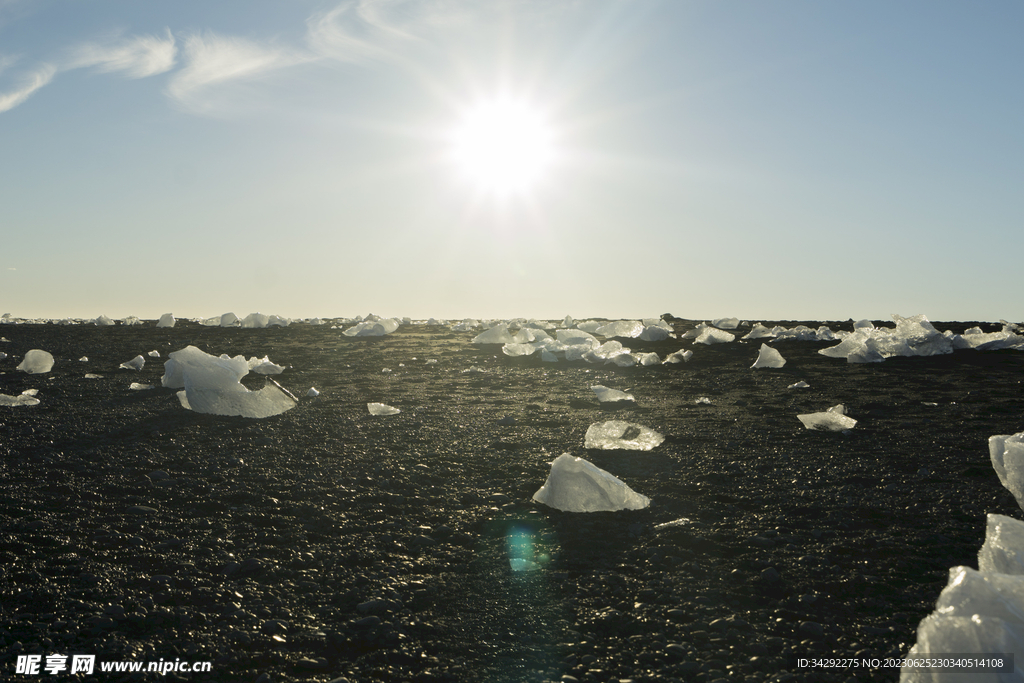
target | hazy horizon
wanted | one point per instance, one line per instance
(449, 158)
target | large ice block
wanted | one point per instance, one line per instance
(166, 320)
(211, 385)
(616, 434)
(621, 328)
(712, 335)
(576, 485)
(36, 362)
(975, 635)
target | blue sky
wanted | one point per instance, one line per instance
(785, 160)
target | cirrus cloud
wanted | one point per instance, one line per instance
(136, 57)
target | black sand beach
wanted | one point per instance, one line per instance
(329, 544)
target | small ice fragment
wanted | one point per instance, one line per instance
(26, 398)
(153, 354)
(92, 375)
(2, 355)
(768, 358)
(267, 368)
(135, 386)
(36, 362)
(133, 364)
(606, 395)
(832, 420)
(507, 420)
(799, 385)
(473, 369)
(680, 356)
(681, 522)
(166, 320)
(703, 400)
(576, 485)
(616, 434)
(381, 409)
(312, 392)
(84, 359)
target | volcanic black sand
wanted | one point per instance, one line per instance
(329, 544)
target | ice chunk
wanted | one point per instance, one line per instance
(648, 359)
(133, 364)
(26, 398)
(726, 323)
(263, 366)
(1007, 455)
(136, 386)
(228, 320)
(498, 334)
(654, 333)
(834, 419)
(255, 321)
(372, 328)
(606, 395)
(2, 355)
(547, 356)
(703, 401)
(36, 362)
(759, 331)
(988, 594)
(621, 328)
(313, 393)
(576, 485)
(103, 321)
(1003, 550)
(616, 434)
(799, 385)
(606, 352)
(84, 359)
(711, 335)
(768, 358)
(212, 385)
(153, 354)
(166, 320)
(589, 326)
(680, 356)
(568, 321)
(381, 409)
(977, 634)
(518, 349)
(913, 336)
(576, 337)
(91, 375)
(863, 325)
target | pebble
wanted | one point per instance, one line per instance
(771, 575)
(812, 629)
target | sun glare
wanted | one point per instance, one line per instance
(503, 146)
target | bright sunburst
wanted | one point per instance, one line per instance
(503, 146)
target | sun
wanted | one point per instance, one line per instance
(503, 146)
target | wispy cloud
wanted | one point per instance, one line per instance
(212, 60)
(29, 83)
(136, 57)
